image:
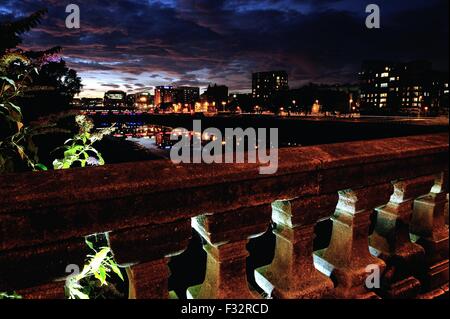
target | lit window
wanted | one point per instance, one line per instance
(384, 75)
(384, 85)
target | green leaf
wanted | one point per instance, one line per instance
(41, 167)
(90, 244)
(115, 269)
(16, 108)
(4, 295)
(73, 151)
(98, 259)
(78, 294)
(101, 275)
(100, 159)
(11, 82)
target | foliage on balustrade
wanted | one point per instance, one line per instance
(79, 150)
(22, 73)
(96, 275)
(16, 143)
(5, 295)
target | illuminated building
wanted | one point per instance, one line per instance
(187, 96)
(164, 94)
(115, 100)
(401, 88)
(267, 84)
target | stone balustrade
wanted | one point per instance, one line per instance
(387, 201)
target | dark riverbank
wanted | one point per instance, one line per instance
(292, 130)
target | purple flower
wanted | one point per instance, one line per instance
(92, 161)
(51, 58)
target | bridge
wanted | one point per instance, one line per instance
(387, 201)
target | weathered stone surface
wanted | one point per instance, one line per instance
(144, 250)
(234, 225)
(38, 265)
(346, 258)
(44, 216)
(48, 206)
(149, 280)
(391, 242)
(143, 244)
(408, 288)
(305, 210)
(52, 291)
(226, 275)
(227, 236)
(292, 274)
(428, 229)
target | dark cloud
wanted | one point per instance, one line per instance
(196, 42)
(111, 85)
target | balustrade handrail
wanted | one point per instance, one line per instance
(173, 191)
(45, 215)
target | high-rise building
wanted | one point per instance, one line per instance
(266, 85)
(401, 88)
(187, 96)
(164, 94)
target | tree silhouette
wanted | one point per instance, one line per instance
(10, 31)
(54, 86)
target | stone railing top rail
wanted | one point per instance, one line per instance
(50, 206)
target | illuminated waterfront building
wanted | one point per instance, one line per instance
(402, 88)
(164, 94)
(266, 85)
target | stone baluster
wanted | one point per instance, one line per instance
(428, 229)
(347, 258)
(145, 251)
(391, 241)
(292, 274)
(226, 236)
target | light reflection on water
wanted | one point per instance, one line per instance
(161, 135)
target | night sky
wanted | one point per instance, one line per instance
(134, 44)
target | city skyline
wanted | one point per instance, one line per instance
(132, 46)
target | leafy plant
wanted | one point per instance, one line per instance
(79, 150)
(15, 140)
(5, 295)
(22, 74)
(98, 269)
